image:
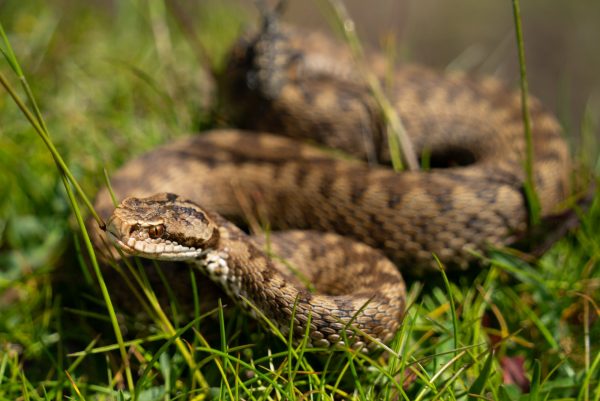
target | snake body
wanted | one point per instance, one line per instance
(305, 86)
(344, 310)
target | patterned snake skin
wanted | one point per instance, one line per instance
(303, 85)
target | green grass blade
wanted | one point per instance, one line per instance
(163, 348)
(589, 377)
(103, 288)
(479, 383)
(534, 393)
(451, 300)
(400, 145)
(533, 201)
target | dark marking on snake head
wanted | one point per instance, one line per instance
(191, 212)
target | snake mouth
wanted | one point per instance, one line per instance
(158, 249)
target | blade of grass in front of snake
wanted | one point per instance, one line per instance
(352, 353)
(450, 299)
(128, 282)
(533, 202)
(103, 288)
(400, 145)
(291, 372)
(110, 188)
(224, 349)
(402, 344)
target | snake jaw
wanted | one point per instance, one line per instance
(156, 250)
(124, 237)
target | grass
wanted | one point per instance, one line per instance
(108, 81)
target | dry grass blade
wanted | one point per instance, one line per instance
(398, 139)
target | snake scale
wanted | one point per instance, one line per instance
(305, 85)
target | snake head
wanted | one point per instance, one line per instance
(163, 227)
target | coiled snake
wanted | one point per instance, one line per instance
(305, 85)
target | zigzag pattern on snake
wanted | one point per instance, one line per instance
(304, 85)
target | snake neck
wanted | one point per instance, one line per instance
(253, 281)
(246, 274)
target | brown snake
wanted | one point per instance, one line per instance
(305, 86)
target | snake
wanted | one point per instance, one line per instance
(343, 222)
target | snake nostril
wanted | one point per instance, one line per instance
(133, 229)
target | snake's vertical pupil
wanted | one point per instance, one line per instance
(156, 231)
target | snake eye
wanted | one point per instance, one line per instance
(156, 231)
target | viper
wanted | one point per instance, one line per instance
(335, 282)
